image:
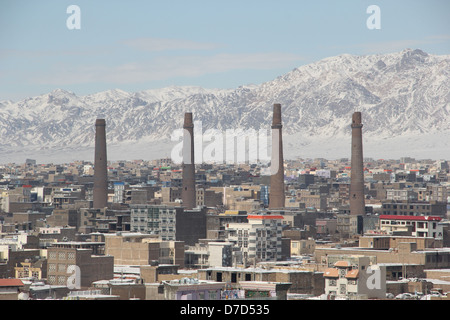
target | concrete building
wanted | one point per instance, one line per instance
(69, 260)
(302, 247)
(414, 208)
(10, 289)
(417, 226)
(326, 227)
(155, 219)
(208, 198)
(401, 195)
(348, 225)
(125, 289)
(170, 194)
(300, 281)
(261, 290)
(191, 225)
(64, 217)
(169, 222)
(192, 289)
(95, 219)
(390, 242)
(210, 254)
(405, 253)
(130, 248)
(259, 240)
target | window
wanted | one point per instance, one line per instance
(342, 289)
(212, 295)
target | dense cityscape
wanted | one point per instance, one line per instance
(314, 229)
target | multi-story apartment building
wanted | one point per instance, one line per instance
(78, 264)
(417, 226)
(408, 208)
(169, 222)
(154, 219)
(401, 194)
(208, 198)
(130, 248)
(96, 219)
(119, 192)
(259, 239)
(433, 192)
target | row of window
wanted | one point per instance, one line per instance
(60, 280)
(405, 206)
(60, 267)
(61, 255)
(419, 224)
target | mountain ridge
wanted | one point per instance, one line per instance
(403, 96)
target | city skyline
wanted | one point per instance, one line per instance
(227, 153)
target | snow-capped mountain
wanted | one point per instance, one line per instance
(404, 98)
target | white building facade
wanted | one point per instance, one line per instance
(259, 239)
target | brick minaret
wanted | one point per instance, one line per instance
(357, 204)
(188, 193)
(100, 166)
(276, 194)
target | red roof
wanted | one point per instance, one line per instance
(331, 272)
(415, 218)
(11, 283)
(342, 264)
(352, 274)
(264, 217)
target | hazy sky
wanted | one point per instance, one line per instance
(138, 45)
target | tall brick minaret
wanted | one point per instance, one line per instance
(276, 192)
(357, 203)
(188, 193)
(100, 166)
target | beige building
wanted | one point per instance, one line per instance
(78, 264)
(208, 198)
(301, 247)
(355, 278)
(312, 200)
(32, 269)
(129, 248)
(386, 242)
(405, 253)
(301, 281)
